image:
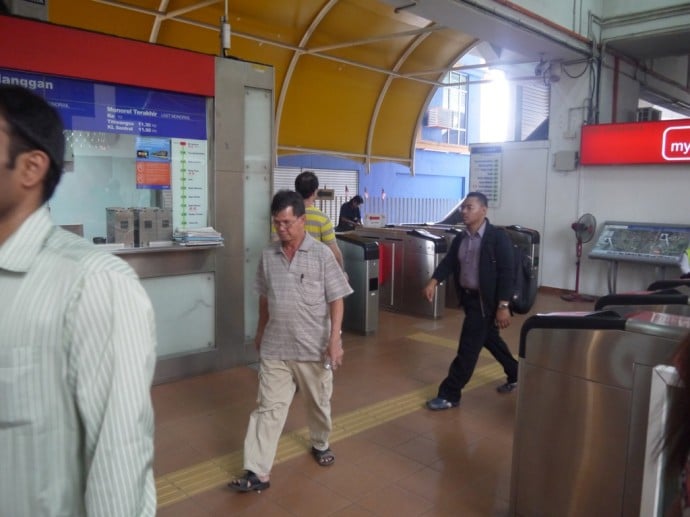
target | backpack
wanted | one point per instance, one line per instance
(524, 269)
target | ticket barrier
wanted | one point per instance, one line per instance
(660, 484)
(408, 259)
(448, 232)
(361, 261)
(667, 300)
(675, 301)
(423, 252)
(582, 409)
(669, 284)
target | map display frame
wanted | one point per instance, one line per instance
(649, 243)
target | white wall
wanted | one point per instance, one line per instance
(523, 185)
(537, 196)
(658, 194)
(625, 96)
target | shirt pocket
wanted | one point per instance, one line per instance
(18, 380)
(312, 292)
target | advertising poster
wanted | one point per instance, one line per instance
(153, 162)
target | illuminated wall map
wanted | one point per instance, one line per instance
(642, 242)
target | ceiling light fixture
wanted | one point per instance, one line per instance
(224, 32)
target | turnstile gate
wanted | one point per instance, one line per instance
(408, 258)
(582, 410)
(361, 260)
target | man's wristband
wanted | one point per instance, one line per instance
(504, 305)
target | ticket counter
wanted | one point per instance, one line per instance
(148, 153)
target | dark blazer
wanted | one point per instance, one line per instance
(495, 267)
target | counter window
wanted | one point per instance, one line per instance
(136, 159)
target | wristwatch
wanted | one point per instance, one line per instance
(503, 305)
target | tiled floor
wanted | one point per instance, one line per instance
(393, 457)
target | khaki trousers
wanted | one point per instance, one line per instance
(278, 381)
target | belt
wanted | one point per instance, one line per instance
(469, 292)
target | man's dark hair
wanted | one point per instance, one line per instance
(358, 200)
(286, 198)
(33, 124)
(3, 8)
(306, 183)
(479, 197)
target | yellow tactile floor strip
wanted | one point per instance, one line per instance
(441, 341)
(181, 484)
(434, 340)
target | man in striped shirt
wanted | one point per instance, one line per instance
(301, 293)
(77, 345)
(318, 224)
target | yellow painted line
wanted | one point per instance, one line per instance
(181, 484)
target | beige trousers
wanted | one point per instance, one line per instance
(278, 381)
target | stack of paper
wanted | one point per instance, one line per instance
(198, 237)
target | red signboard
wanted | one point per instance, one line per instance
(52, 49)
(665, 141)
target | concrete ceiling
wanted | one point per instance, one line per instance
(644, 47)
(655, 33)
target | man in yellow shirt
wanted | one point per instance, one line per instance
(318, 225)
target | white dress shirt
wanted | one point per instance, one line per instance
(77, 353)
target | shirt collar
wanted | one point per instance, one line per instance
(19, 251)
(306, 244)
(480, 231)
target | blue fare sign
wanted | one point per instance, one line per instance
(88, 106)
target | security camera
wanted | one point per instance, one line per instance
(540, 68)
(553, 72)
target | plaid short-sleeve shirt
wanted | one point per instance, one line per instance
(299, 294)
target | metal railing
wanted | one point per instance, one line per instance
(396, 210)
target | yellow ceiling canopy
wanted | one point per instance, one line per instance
(352, 76)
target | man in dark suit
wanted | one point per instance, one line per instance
(480, 260)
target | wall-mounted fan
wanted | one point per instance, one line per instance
(584, 229)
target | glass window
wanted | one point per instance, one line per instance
(136, 159)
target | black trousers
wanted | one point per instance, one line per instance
(477, 332)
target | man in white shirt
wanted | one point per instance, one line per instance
(77, 344)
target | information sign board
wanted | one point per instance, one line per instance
(92, 106)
